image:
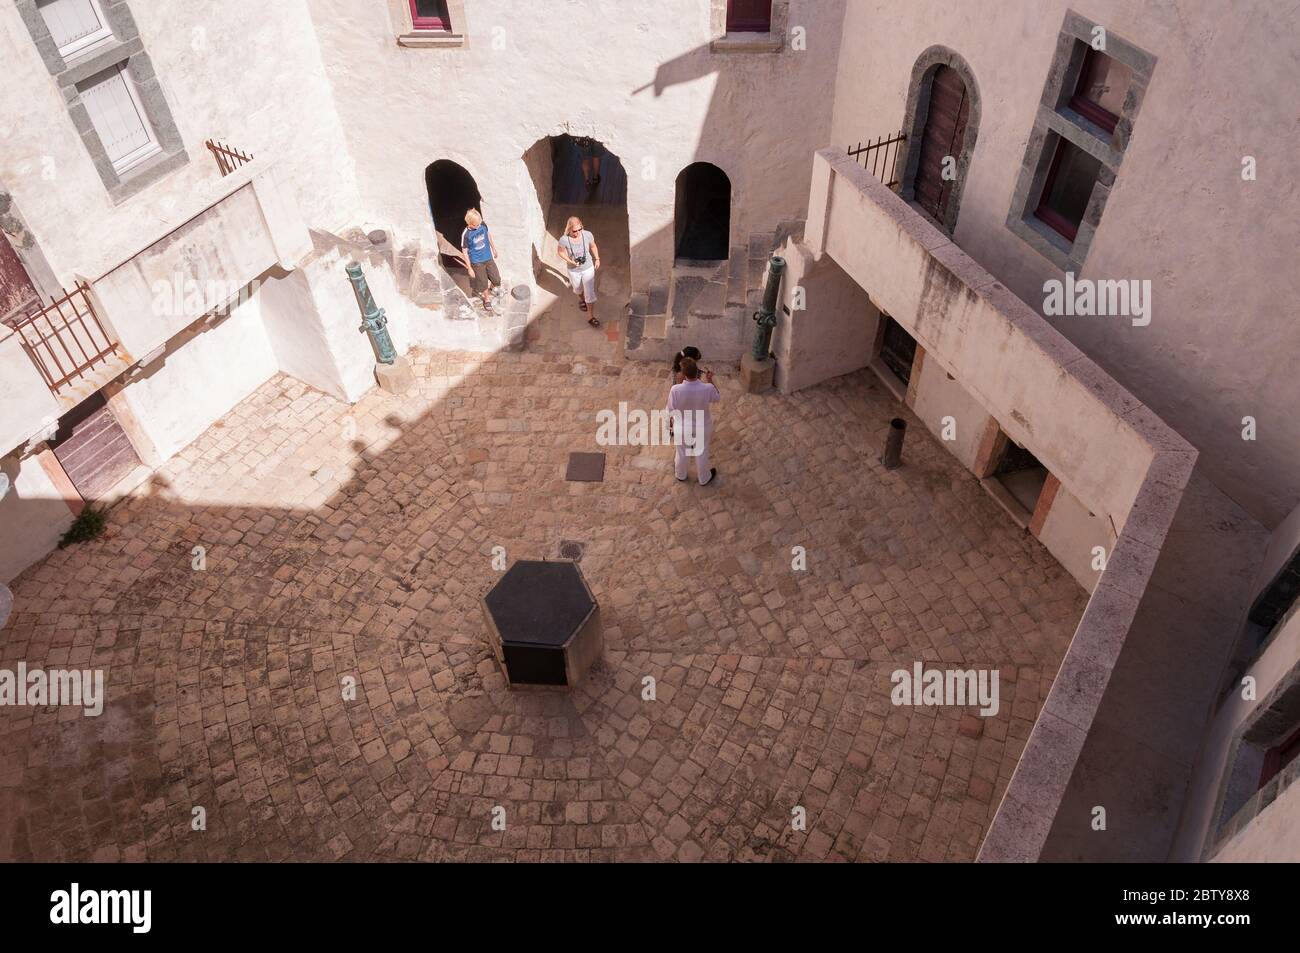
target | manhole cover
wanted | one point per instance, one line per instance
(571, 549)
(586, 468)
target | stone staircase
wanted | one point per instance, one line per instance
(706, 304)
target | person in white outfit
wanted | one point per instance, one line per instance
(696, 395)
(578, 250)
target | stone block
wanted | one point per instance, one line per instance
(395, 378)
(755, 375)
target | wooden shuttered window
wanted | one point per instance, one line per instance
(119, 118)
(77, 26)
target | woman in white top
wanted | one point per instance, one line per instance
(579, 251)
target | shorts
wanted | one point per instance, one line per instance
(484, 272)
(584, 282)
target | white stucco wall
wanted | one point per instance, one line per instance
(179, 397)
(26, 404)
(1070, 532)
(242, 71)
(1218, 250)
(831, 334)
(33, 517)
(640, 79)
(936, 397)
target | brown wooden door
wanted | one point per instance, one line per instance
(93, 449)
(17, 293)
(945, 130)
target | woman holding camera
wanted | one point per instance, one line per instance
(579, 251)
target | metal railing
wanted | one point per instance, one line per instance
(228, 158)
(65, 338)
(881, 157)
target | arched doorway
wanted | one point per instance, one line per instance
(561, 171)
(942, 123)
(452, 192)
(702, 219)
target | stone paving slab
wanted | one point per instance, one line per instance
(353, 543)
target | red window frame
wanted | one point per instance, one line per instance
(1044, 212)
(748, 16)
(1278, 757)
(441, 23)
(1086, 107)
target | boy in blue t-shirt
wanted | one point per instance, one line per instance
(480, 254)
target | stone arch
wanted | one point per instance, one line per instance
(452, 192)
(914, 121)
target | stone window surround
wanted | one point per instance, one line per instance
(914, 119)
(724, 42)
(1273, 720)
(127, 49)
(1055, 120)
(408, 36)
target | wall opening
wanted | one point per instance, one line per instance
(575, 176)
(452, 192)
(897, 349)
(702, 218)
(1020, 474)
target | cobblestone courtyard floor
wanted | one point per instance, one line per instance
(356, 541)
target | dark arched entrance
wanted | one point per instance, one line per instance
(703, 213)
(452, 192)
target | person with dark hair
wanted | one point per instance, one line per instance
(692, 398)
(692, 352)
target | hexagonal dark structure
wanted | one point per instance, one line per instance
(544, 623)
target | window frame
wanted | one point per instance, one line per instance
(140, 154)
(737, 25)
(438, 24)
(1044, 212)
(1092, 111)
(86, 44)
(1274, 761)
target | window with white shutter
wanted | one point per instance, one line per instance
(119, 118)
(77, 26)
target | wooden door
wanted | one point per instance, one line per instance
(944, 133)
(93, 449)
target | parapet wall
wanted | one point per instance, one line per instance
(1101, 442)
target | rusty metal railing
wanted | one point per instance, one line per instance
(881, 157)
(228, 158)
(65, 338)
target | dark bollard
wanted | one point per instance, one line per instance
(893, 457)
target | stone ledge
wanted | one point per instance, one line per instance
(748, 43)
(431, 39)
